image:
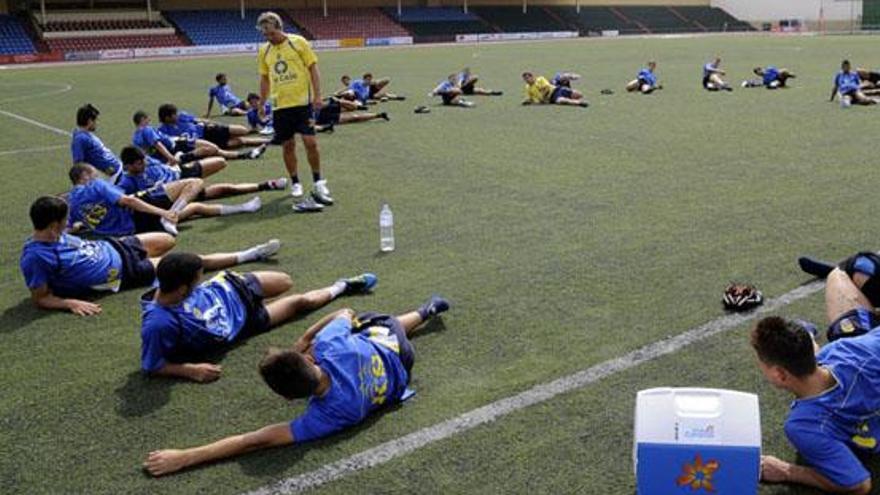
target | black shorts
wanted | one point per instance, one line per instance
(874, 78)
(853, 323)
(191, 170)
(448, 98)
(706, 81)
(468, 88)
(560, 92)
(137, 269)
(329, 114)
(218, 134)
(374, 90)
(406, 352)
(291, 121)
(250, 291)
(181, 145)
(144, 222)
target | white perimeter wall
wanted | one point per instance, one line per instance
(808, 10)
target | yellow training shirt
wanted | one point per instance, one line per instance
(540, 91)
(287, 65)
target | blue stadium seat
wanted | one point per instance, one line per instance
(219, 27)
(14, 38)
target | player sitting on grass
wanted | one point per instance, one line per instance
(257, 123)
(467, 81)
(771, 78)
(186, 321)
(712, 73)
(564, 79)
(60, 268)
(646, 81)
(348, 366)
(86, 147)
(539, 90)
(849, 86)
(229, 103)
(870, 81)
(180, 149)
(833, 421)
(155, 184)
(450, 93)
(334, 113)
(176, 123)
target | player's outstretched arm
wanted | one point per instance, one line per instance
(43, 298)
(775, 470)
(162, 462)
(210, 106)
(303, 343)
(197, 372)
(143, 207)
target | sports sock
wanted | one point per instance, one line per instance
(248, 255)
(178, 205)
(337, 288)
(246, 207)
(316, 176)
(243, 155)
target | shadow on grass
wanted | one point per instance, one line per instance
(21, 315)
(142, 394)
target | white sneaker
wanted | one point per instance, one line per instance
(321, 193)
(169, 227)
(257, 152)
(268, 249)
(296, 190)
(267, 131)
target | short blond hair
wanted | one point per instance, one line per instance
(270, 18)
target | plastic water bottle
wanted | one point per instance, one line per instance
(386, 229)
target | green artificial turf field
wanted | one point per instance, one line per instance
(563, 236)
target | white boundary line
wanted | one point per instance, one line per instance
(35, 123)
(32, 150)
(392, 449)
(62, 88)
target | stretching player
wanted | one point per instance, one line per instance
(186, 321)
(849, 86)
(833, 422)
(870, 81)
(467, 81)
(258, 123)
(539, 90)
(180, 124)
(86, 147)
(156, 186)
(183, 148)
(450, 93)
(564, 79)
(369, 91)
(333, 114)
(646, 81)
(348, 365)
(712, 76)
(226, 99)
(771, 78)
(60, 269)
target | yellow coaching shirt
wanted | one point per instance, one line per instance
(287, 65)
(540, 91)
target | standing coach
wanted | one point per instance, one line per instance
(289, 72)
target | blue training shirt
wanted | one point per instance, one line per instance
(207, 320)
(155, 172)
(86, 147)
(224, 95)
(96, 205)
(146, 138)
(71, 266)
(253, 117)
(770, 74)
(828, 429)
(361, 89)
(847, 82)
(709, 69)
(445, 87)
(365, 373)
(648, 77)
(187, 127)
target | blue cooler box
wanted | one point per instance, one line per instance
(697, 441)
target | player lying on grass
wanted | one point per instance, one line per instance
(539, 90)
(86, 147)
(187, 321)
(60, 269)
(229, 103)
(185, 125)
(467, 81)
(450, 93)
(180, 149)
(833, 421)
(771, 78)
(334, 113)
(367, 90)
(646, 81)
(349, 366)
(870, 81)
(848, 85)
(712, 73)
(158, 185)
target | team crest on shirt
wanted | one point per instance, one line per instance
(846, 326)
(863, 438)
(280, 67)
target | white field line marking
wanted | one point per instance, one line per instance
(32, 150)
(392, 449)
(60, 89)
(35, 123)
